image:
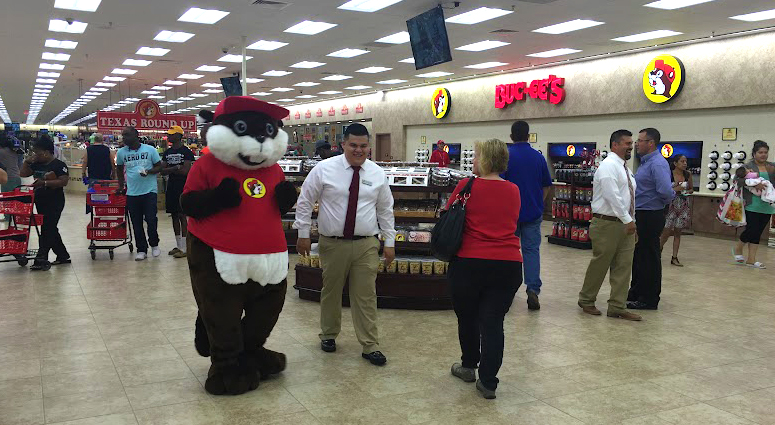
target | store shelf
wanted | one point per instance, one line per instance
(394, 290)
(569, 242)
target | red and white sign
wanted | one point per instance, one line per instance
(345, 110)
(331, 112)
(297, 115)
(550, 89)
(308, 114)
(319, 112)
(147, 116)
(359, 109)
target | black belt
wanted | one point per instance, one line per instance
(354, 238)
(605, 217)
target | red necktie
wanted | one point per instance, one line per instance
(352, 204)
(632, 192)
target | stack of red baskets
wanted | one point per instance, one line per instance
(108, 212)
(19, 204)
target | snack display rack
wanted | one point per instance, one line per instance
(415, 280)
(572, 208)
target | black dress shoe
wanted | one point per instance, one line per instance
(59, 262)
(328, 345)
(376, 358)
(640, 305)
(36, 266)
(532, 301)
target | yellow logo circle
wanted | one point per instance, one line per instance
(663, 78)
(441, 102)
(570, 150)
(667, 150)
(254, 188)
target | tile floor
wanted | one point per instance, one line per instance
(110, 342)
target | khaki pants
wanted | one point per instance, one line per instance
(611, 249)
(356, 261)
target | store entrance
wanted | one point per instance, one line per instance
(382, 148)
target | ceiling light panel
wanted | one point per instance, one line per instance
(101, 89)
(407, 60)
(48, 74)
(274, 73)
(358, 87)
(261, 93)
(155, 97)
(45, 81)
(234, 58)
(198, 95)
(173, 36)
(149, 92)
(174, 83)
(367, 5)
(483, 45)
(286, 100)
(58, 25)
(137, 62)
(160, 88)
(61, 44)
(190, 76)
(253, 80)
(43, 86)
(310, 27)
(756, 16)
(395, 81)
(397, 38)
(478, 15)
(330, 92)
(373, 69)
(553, 53)
(651, 35)
(101, 84)
(347, 53)
(152, 51)
(54, 66)
(336, 77)
(306, 84)
(486, 65)
(675, 4)
(574, 25)
(203, 16)
(123, 71)
(210, 68)
(266, 45)
(282, 89)
(212, 91)
(81, 5)
(307, 64)
(62, 57)
(434, 74)
(185, 98)
(211, 85)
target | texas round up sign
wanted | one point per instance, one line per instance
(663, 78)
(441, 102)
(147, 116)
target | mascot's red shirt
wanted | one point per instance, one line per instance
(254, 227)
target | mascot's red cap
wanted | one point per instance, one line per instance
(233, 104)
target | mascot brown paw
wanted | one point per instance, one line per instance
(231, 380)
(267, 362)
(201, 341)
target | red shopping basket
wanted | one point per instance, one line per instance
(108, 211)
(17, 202)
(13, 241)
(103, 192)
(105, 230)
(25, 219)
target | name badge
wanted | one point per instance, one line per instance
(367, 183)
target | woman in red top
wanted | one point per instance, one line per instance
(487, 271)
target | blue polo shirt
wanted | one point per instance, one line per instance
(135, 161)
(528, 170)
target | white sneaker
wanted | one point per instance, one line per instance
(155, 251)
(140, 256)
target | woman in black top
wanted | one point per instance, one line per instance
(98, 163)
(51, 176)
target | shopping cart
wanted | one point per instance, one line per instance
(14, 241)
(109, 218)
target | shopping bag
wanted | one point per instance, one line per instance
(731, 211)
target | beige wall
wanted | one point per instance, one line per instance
(722, 73)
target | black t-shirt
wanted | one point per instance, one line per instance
(173, 157)
(49, 196)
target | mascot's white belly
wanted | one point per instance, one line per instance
(266, 269)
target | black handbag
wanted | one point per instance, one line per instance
(447, 234)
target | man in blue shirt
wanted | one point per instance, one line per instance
(528, 170)
(142, 163)
(653, 194)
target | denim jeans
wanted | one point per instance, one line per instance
(144, 207)
(530, 239)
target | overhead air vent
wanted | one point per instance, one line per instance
(503, 31)
(271, 4)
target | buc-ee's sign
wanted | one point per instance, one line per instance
(147, 116)
(550, 89)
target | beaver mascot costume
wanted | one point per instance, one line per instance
(237, 253)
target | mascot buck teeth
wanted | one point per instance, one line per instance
(237, 254)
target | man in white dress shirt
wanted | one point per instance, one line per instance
(355, 206)
(612, 230)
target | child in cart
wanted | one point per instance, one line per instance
(176, 161)
(51, 176)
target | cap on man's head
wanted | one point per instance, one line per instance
(440, 142)
(175, 129)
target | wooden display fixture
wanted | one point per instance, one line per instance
(394, 290)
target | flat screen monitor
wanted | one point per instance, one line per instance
(428, 36)
(692, 150)
(231, 86)
(569, 150)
